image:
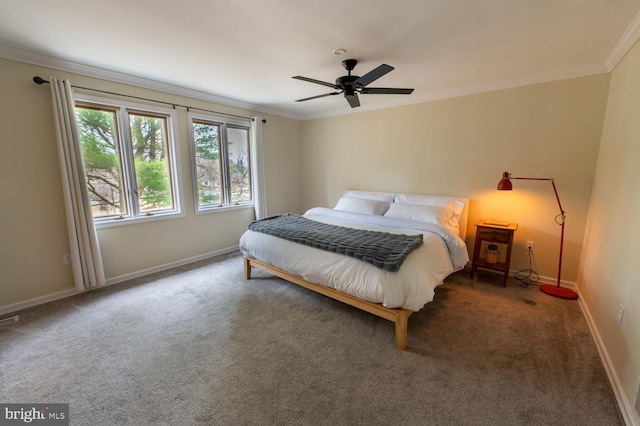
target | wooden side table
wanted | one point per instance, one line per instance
(495, 233)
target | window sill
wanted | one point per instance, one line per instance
(224, 208)
(112, 222)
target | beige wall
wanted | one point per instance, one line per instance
(461, 146)
(608, 273)
(33, 226)
(458, 146)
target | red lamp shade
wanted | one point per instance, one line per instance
(505, 183)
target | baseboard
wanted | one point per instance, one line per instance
(14, 307)
(541, 279)
(164, 267)
(627, 410)
(550, 280)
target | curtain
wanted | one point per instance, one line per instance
(86, 260)
(260, 198)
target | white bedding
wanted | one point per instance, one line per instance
(442, 253)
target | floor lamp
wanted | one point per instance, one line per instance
(553, 290)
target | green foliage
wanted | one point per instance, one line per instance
(206, 141)
(154, 190)
(147, 137)
(96, 130)
(207, 147)
(102, 166)
(102, 160)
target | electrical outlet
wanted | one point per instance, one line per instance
(620, 314)
(67, 258)
(530, 245)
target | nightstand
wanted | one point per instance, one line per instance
(492, 232)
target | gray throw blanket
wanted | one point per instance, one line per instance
(381, 249)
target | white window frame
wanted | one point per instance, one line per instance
(225, 163)
(123, 108)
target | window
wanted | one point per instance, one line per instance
(221, 162)
(129, 160)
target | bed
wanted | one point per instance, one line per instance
(392, 295)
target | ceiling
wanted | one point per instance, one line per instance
(244, 53)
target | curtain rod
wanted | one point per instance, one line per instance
(40, 80)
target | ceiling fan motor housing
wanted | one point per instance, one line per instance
(345, 81)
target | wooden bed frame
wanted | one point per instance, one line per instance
(398, 316)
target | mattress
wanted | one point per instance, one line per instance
(411, 287)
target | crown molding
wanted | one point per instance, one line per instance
(43, 60)
(525, 80)
(624, 44)
(627, 40)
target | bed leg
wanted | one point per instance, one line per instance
(247, 268)
(402, 322)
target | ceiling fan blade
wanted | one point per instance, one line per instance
(319, 96)
(385, 91)
(353, 100)
(373, 75)
(311, 80)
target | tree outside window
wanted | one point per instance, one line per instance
(221, 161)
(127, 161)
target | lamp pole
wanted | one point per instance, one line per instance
(557, 290)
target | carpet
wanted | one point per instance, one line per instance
(200, 345)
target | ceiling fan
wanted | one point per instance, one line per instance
(351, 85)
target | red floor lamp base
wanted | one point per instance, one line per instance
(557, 291)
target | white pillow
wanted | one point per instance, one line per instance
(432, 200)
(454, 204)
(362, 205)
(422, 213)
(379, 196)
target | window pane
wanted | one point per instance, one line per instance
(206, 137)
(101, 161)
(239, 175)
(153, 174)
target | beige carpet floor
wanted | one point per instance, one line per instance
(200, 345)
